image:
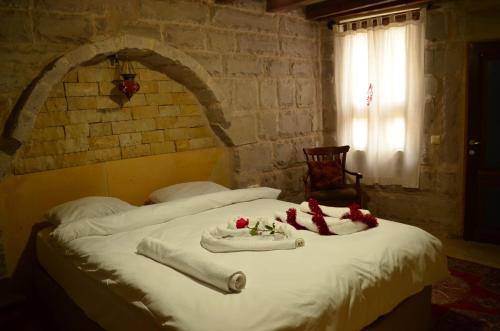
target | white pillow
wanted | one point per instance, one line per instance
(87, 207)
(185, 190)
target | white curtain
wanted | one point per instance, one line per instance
(379, 75)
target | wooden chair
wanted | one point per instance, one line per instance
(326, 177)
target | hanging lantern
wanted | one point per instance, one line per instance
(128, 85)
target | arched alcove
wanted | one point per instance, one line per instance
(154, 54)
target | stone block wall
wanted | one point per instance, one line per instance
(275, 72)
(86, 119)
(438, 204)
(266, 65)
(3, 265)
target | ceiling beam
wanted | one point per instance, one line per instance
(341, 8)
(286, 5)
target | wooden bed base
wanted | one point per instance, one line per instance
(413, 314)
(67, 315)
(61, 311)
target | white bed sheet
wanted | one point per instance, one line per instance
(100, 304)
(333, 283)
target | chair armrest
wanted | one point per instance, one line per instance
(352, 173)
(358, 176)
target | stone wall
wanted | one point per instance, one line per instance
(3, 265)
(267, 66)
(437, 204)
(86, 119)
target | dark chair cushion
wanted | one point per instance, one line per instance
(343, 194)
(327, 174)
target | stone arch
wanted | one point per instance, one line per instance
(161, 57)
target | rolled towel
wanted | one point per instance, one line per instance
(335, 225)
(336, 212)
(302, 219)
(195, 265)
(230, 239)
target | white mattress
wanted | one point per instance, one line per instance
(333, 283)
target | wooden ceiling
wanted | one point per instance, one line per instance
(341, 9)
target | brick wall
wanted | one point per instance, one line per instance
(266, 65)
(86, 119)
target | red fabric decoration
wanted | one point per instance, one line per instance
(369, 98)
(356, 215)
(291, 218)
(314, 206)
(319, 220)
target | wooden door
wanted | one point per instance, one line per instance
(482, 188)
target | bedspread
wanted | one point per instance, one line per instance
(333, 283)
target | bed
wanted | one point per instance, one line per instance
(333, 283)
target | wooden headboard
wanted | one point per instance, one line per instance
(24, 199)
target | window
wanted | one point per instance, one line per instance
(379, 92)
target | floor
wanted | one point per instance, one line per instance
(19, 313)
(468, 300)
(481, 253)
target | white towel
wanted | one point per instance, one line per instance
(335, 225)
(230, 239)
(197, 266)
(336, 212)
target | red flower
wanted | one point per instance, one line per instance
(242, 223)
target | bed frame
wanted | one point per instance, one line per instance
(46, 189)
(65, 314)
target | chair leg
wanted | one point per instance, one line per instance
(362, 202)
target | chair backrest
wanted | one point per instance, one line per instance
(328, 153)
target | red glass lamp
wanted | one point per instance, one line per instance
(128, 85)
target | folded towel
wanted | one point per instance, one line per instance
(231, 239)
(337, 212)
(335, 225)
(195, 265)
